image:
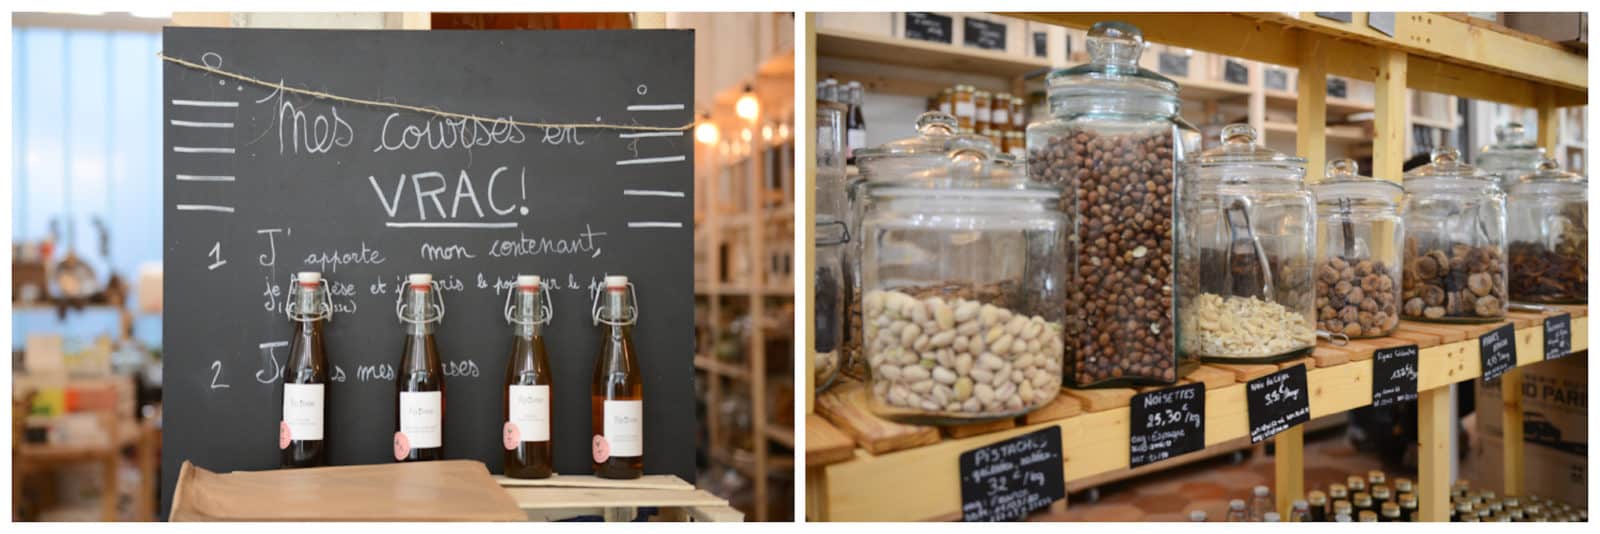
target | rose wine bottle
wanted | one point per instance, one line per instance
(419, 417)
(527, 393)
(305, 376)
(617, 397)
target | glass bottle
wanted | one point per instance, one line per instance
(1463, 512)
(831, 287)
(966, 107)
(1260, 502)
(617, 397)
(1000, 113)
(1366, 516)
(1342, 507)
(983, 111)
(946, 100)
(1455, 232)
(305, 376)
(419, 416)
(1237, 513)
(830, 91)
(933, 205)
(1355, 483)
(527, 394)
(1408, 507)
(1511, 156)
(1375, 478)
(1318, 503)
(1106, 115)
(1338, 492)
(1300, 512)
(1019, 113)
(1402, 486)
(1342, 518)
(1381, 494)
(1547, 214)
(1389, 512)
(855, 123)
(1246, 242)
(1362, 502)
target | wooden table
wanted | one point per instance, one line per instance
(567, 496)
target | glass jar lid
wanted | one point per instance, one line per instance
(1511, 141)
(1549, 171)
(1446, 163)
(940, 156)
(1113, 67)
(1240, 154)
(1342, 180)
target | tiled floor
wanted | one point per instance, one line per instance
(1210, 484)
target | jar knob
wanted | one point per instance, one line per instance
(936, 122)
(1445, 154)
(1117, 44)
(1508, 132)
(1342, 167)
(1549, 164)
(1238, 133)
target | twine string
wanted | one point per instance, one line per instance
(418, 109)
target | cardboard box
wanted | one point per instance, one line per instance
(1555, 425)
(449, 490)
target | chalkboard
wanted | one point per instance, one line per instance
(1277, 402)
(1041, 46)
(979, 33)
(1497, 351)
(1338, 88)
(1173, 64)
(260, 182)
(1340, 16)
(1006, 480)
(1275, 78)
(929, 27)
(1166, 423)
(1394, 375)
(1235, 72)
(1557, 336)
(1381, 22)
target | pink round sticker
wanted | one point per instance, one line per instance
(511, 436)
(283, 435)
(402, 446)
(602, 448)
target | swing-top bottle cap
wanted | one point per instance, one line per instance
(616, 282)
(308, 278)
(528, 281)
(420, 279)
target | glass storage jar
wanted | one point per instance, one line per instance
(1114, 141)
(1245, 241)
(830, 238)
(1455, 262)
(1359, 233)
(1547, 215)
(1511, 156)
(964, 276)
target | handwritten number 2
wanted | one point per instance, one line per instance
(216, 367)
(216, 254)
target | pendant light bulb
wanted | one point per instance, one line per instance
(706, 132)
(748, 108)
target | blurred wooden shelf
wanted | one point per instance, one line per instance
(1337, 107)
(1346, 134)
(782, 435)
(924, 54)
(719, 367)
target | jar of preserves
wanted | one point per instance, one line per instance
(1455, 261)
(1359, 233)
(1245, 249)
(1114, 144)
(946, 99)
(1019, 114)
(830, 239)
(965, 104)
(983, 114)
(963, 267)
(1511, 156)
(1000, 113)
(1547, 215)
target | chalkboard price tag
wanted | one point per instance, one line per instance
(1394, 375)
(929, 27)
(1006, 480)
(1277, 402)
(1166, 423)
(1173, 64)
(1235, 72)
(1498, 351)
(1041, 47)
(1381, 22)
(1338, 88)
(1557, 336)
(984, 34)
(1277, 79)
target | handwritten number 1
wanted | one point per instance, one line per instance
(216, 253)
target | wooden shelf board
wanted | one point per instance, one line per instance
(714, 366)
(1447, 124)
(1332, 134)
(781, 435)
(891, 457)
(923, 54)
(1337, 107)
(1197, 89)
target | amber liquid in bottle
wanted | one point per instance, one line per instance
(527, 399)
(419, 417)
(301, 439)
(617, 397)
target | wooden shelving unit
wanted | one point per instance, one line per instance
(862, 468)
(739, 227)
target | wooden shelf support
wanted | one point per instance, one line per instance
(1389, 145)
(1434, 453)
(1511, 438)
(1288, 465)
(1311, 109)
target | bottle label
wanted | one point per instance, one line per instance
(1000, 116)
(983, 115)
(421, 418)
(944, 107)
(624, 427)
(530, 412)
(966, 109)
(302, 411)
(858, 140)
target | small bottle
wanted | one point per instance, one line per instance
(946, 99)
(1460, 488)
(1300, 512)
(1019, 113)
(966, 108)
(1403, 485)
(1408, 507)
(1381, 494)
(617, 397)
(526, 433)
(305, 375)
(1482, 509)
(1363, 503)
(1342, 518)
(983, 111)
(1000, 113)
(1237, 513)
(1367, 516)
(1463, 511)
(1338, 492)
(419, 415)
(1390, 513)
(1318, 501)
(855, 123)
(1356, 484)
(1471, 518)
(1260, 503)
(1375, 477)
(1343, 507)
(1197, 516)
(829, 91)
(1270, 517)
